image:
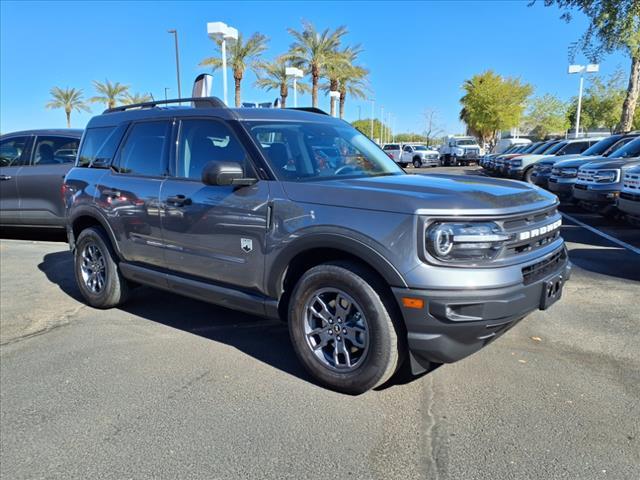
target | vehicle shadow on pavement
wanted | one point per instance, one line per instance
(263, 339)
(614, 262)
(36, 234)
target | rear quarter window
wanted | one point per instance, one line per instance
(99, 146)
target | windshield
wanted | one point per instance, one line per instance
(619, 144)
(298, 151)
(420, 148)
(466, 142)
(601, 147)
(541, 147)
(630, 150)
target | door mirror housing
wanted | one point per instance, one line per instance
(225, 173)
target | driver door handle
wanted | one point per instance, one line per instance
(178, 201)
(5, 177)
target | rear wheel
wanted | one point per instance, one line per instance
(343, 327)
(96, 270)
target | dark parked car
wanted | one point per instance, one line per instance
(32, 166)
(371, 267)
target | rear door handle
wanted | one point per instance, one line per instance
(5, 177)
(178, 201)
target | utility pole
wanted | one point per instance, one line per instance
(175, 36)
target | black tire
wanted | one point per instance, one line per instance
(386, 342)
(115, 289)
(527, 175)
(403, 165)
(417, 163)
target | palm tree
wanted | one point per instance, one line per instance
(352, 81)
(70, 99)
(132, 98)
(109, 93)
(332, 71)
(240, 55)
(313, 50)
(272, 76)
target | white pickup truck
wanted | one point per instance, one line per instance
(420, 156)
(458, 150)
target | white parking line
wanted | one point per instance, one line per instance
(602, 234)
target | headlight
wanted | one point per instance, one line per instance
(606, 176)
(515, 163)
(465, 241)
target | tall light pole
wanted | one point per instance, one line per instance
(372, 115)
(166, 89)
(581, 69)
(225, 32)
(175, 36)
(381, 125)
(389, 127)
(334, 95)
(296, 73)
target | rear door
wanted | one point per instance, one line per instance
(213, 232)
(40, 182)
(129, 194)
(14, 154)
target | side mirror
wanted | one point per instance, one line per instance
(225, 173)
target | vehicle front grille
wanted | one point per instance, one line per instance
(631, 183)
(630, 196)
(471, 152)
(530, 232)
(535, 272)
(581, 186)
(587, 176)
(432, 156)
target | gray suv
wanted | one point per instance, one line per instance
(371, 267)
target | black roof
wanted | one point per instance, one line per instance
(66, 132)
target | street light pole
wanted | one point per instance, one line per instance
(175, 36)
(381, 125)
(581, 69)
(166, 89)
(295, 73)
(372, 115)
(227, 33)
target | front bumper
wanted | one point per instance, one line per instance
(562, 188)
(456, 323)
(602, 196)
(629, 204)
(514, 173)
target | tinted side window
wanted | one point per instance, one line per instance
(99, 145)
(144, 149)
(204, 141)
(11, 152)
(55, 150)
(407, 149)
(575, 147)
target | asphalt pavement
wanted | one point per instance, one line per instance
(167, 387)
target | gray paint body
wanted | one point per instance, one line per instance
(380, 220)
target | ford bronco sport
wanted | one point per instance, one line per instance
(371, 267)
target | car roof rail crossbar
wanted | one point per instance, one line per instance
(199, 102)
(309, 109)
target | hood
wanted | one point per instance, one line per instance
(552, 160)
(440, 193)
(613, 163)
(577, 162)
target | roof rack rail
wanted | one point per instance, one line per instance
(199, 102)
(309, 109)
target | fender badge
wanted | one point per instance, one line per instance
(246, 244)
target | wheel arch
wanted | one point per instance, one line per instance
(88, 217)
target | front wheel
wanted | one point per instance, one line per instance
(97, 273)
(417, 163)
(527, 175)
(344, 329)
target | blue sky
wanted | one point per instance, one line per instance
(419, 54)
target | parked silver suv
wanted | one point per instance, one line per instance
(371, 267)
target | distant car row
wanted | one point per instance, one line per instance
(457, 150)
(600, 174)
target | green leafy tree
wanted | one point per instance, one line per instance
(547, 114)
(241, 55)
(615, 25)
(602, 103)
(312, 51)
(133, 98)
(272, 76)
(364, 126)
(410, 137)
(109, 93)
(493, 103)
(69, 99)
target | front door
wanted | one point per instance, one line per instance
(216, 233)
(14, 154)
(129, 194)
(40, 182)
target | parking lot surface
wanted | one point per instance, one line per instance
(168, 387)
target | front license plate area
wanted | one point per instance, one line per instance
(551, 292)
